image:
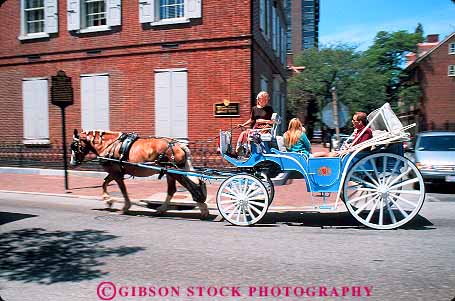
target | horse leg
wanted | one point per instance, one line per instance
(171, 189)
(106, 197)
(121, 184)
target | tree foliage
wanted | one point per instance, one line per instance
(358, 86)
(363, 80)
(387, 56)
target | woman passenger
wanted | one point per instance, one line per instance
(295, 139)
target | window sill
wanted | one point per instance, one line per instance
(95, 29)
(36, 141)
(170, 21)
(30, 36)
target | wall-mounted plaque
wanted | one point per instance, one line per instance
(229, 110)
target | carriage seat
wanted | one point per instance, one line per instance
(280, 143)
(269, 134)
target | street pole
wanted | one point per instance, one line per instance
(335, 113)
(62, 96)
(65, 156)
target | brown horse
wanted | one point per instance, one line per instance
(160, 151)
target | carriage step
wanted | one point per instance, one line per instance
(323, 195)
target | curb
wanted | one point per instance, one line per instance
(60, 172)
(211, 206)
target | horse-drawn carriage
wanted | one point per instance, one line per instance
(379, 186)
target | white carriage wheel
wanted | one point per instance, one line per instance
(242, 200)
(384, 191)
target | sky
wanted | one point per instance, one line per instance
(356, 22)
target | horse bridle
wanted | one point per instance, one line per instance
(76, 147)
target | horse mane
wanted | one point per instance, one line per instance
(100, 133)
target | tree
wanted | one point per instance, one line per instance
(419, 29)
(387, 56)
(358, 86)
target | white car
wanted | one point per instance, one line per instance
(434, 156)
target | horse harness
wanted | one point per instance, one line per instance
(127, 140)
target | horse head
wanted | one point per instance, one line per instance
(81, 147)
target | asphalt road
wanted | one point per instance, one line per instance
(55, 248)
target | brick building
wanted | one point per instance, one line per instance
(433, 67)
(156, 67)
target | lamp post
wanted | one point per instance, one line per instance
(335, 113)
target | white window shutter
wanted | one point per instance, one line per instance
(88, 116)
(179, 88)
(43, 111)
(114, 12)
(74, 14)
(163, 103)
(36, 112)
(193, 9)
(27, 95)
(146, 11)
(51, 16)
(102, 102)
(23, 31)
(95, 102)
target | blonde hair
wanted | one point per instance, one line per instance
(262, 94)
(295, 130)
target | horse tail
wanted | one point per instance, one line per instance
(188, 158)
(196, 187)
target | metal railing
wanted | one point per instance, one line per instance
(205, 154)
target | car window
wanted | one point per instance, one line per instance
(436, 143)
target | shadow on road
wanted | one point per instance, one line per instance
(37, 255)
(335, 219)
(443, 188)
(9, 217)
(290, 218)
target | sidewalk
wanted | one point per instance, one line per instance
(83, 184)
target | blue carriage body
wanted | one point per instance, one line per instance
(321, 174)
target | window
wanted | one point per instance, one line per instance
(160, 12)
(262, 16)
(171, 103)
(451, 70)
(38, 18)
(94, 12)
(35, 110)
(264, 83)
(170, 9)
(95, 101)
(274, 29)
(452, 48)
(93, 15)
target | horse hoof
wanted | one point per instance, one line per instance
(161, 209)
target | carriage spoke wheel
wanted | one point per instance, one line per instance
(384, 191)
(242, 200)
(268, 185)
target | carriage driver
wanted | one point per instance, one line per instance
(260, 117)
